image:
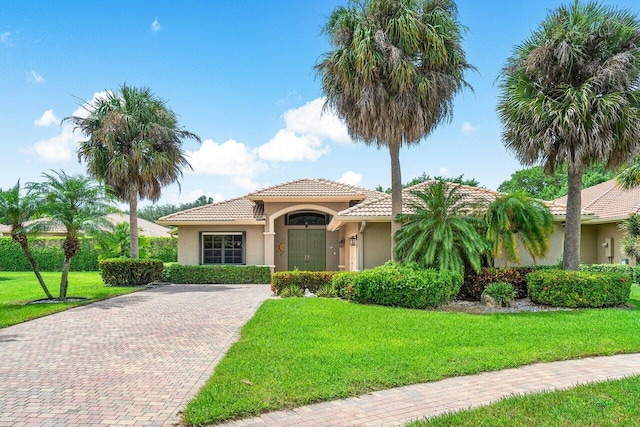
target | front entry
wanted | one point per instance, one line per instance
(307, 249)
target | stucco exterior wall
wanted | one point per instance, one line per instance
(588, 244)
(189, 242)
(376, 244)
(610, 230)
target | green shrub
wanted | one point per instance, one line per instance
(291, 291)
(564, 288)
(343, 284)
(311, 280)
(501, 292)
(48, 253)
(130, 272)
(408, 286)
(326, 291)
(217, 274)
(475, 284)
(164, 248)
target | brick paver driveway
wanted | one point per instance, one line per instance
(131, 360)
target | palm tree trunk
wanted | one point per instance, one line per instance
(133, 223)
(34, 266)
(64, 279)
(571, 256)
(396, 194)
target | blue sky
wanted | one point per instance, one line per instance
(240, 75)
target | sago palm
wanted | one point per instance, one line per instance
(134, 146)
(15, 210)
(516, 218)
(569, 95)
(443, 231)
(392, 73)
(76, 202)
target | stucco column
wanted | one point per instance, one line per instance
(269, 245)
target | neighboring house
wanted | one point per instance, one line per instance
(308, 224)
(601, 239)
(146, 228)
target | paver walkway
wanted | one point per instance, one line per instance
(131, 360)
(401, 405)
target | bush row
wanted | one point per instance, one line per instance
(310, 280)
(48, 253)
(216, 274)
(130, 272)
(562, 288)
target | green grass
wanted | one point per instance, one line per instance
(19, 288)
(296, 351)
(610, 403)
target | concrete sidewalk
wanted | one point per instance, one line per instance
(132, 360)
(401, 405)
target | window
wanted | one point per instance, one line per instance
(307, 218)
(223, 248)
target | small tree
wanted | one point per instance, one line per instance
(114, 241)
(631, 240)
(443, 231)
(76, 202)
(15, 210)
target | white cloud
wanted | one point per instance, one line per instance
(155, 25)
(230, 159)
(286, 146)
(443, 171)
(36, 77)
(47, 119)
(468, 129)
(310, 119)
(5, 39)
(351, 178)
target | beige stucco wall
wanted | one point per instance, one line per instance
(376, 244)
(605, 231)
(588, 244)
(189, 242)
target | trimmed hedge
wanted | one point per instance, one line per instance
(311, 280)
(48, 253)
(217, 274)
(343, 284)
(409, 286)
(130, 272)
(564, 288)
(632, 272)
(475, 284)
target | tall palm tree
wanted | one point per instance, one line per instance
(443, 231)
(134, 145)
(569, 95)
(15, 210)
(516, 218)
(78, 203)
(392, 73)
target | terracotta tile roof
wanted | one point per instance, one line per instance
(317, 187)
(381, 206)
(239, 208)
(608, 200)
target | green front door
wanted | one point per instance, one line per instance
(307, 250)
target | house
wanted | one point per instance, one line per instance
(308, 224)
(146, 228)
(601, 239)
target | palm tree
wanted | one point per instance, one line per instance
(569, 95)
(631, 240)
(134, 145)
(393, 71)
(443, 231)
(629, 177)
(15, 210)
(76, 202)
(515, 218)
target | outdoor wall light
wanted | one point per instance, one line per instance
(341, 243)
(605, 245)
(353, 240)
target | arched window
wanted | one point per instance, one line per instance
(307, 218)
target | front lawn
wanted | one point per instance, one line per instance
(19, 288)
(610, 403)
(297, 351)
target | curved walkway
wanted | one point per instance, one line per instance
(401, 405)
(131, 360)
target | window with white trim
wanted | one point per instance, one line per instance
(223, 248)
